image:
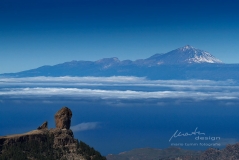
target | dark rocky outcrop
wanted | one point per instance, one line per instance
(43, 126)
(63, 118)
(44, 144)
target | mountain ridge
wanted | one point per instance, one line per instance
(159, 58)
(183, 63)
(154, 59)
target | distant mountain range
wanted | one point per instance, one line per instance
(182, 63)
(172, 153)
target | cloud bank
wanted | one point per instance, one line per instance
(118, 87)
(85, 126)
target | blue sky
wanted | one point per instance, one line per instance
(48, 32)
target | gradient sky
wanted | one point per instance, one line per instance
(47, 32)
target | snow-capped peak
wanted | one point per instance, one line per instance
(187, 47)
(193, 55)
(183, 55)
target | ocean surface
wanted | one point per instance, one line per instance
(117, 114)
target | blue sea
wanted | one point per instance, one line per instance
(117, 114)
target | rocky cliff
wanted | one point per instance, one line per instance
(48, 144)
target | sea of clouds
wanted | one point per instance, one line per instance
(121, 87)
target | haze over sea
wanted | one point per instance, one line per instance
(116, 114)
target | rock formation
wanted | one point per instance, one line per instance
(54, 144)
(63, 118)
(43, 126)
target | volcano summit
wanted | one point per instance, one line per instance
(184, 55)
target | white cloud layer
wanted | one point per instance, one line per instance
(114, 80)
(85, 126)
(120, 87)
(128, 94)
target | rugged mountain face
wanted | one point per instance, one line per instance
(52, 144)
